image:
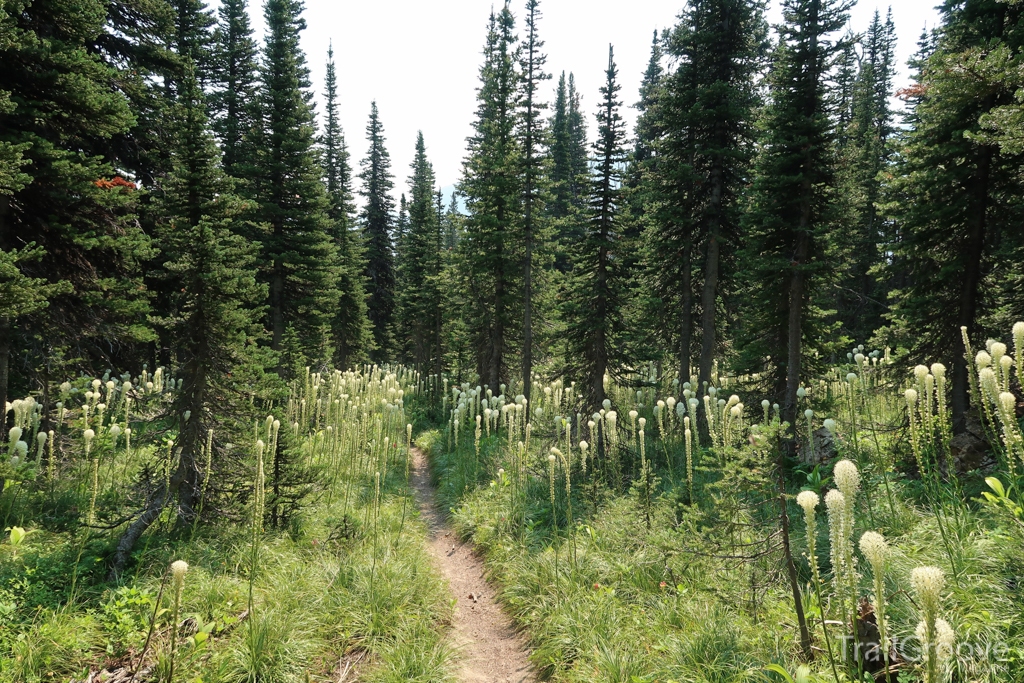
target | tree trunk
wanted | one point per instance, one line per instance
(709, 295)
(686, 319)
(277, 306)
(708, 299)
(968, 312)
(5, 359)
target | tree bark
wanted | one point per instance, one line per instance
(970, 284)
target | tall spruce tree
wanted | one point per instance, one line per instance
(68, 227)
(861, 295)
(215, 321)
(954, 196)
(299, 260)
(377, 222)
(593, 304)
(706, 113)
(492, 186)
(350, 329)
(193, 37)
(234, 84)
(793, 213)
(568, 177)
(420, 266)
(532, 68)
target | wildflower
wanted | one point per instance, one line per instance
(847, 479)
(808, 500)
(830, 425)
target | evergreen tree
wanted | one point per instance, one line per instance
(376, 221)
(350, 329)
(861, 296)
(651, 324)
(68, 227)
(420, 266)
(234, 82)
(593, 308)
(532, 68)
(215, 322)
(954, 198)
(793, 215)
(299, 260)
(193, 39)
(706, 112)
(492, 186)
(569, 174)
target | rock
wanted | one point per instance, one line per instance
(824, 448)
(969, 452)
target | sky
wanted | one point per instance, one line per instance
(420, 60)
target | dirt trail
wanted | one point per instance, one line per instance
(491, 649)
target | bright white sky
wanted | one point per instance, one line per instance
(420, 60)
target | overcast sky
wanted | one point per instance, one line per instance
(420, 60)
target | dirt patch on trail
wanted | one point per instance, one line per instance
(491, 649)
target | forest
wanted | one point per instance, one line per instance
(733, 395)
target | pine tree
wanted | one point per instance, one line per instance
(954, 196)
(68, 227)
(532, 68)
(861, 296)
(420, 266)
(350, 329)
(193, 39)
(593, 309)
(376, 221)
(234, 82)
(569, 174)
(706, 113)
(492, 186)
(215, 322)
(299, 260)
(793, 215)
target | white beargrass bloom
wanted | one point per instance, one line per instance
(928, 583)
(801, 392)
(920, 371)
(875, 548)
(178, 569)
(851, 377)
(808, 500)
(830, 425)
(809, 414)
(847, 478)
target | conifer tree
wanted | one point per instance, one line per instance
(193, 37)
(793, 213)
(234, 84)
(954, 196)
(706, 112)
(533, 75)
(861, 295)
(68, 227)
(215, 320)
(492, 186)
(350, 329)
(569, 175)
(299, 260)
(376, 222)
(593, 305)
(420, 265)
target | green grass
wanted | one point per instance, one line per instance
(342, 578)
(701, 594)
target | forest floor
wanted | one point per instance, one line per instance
(490, 648)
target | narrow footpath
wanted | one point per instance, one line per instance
(491, 650)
